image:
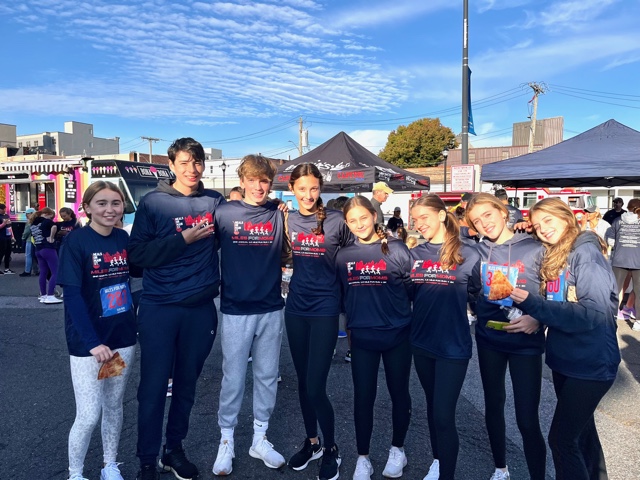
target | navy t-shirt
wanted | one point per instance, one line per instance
(377, 287)
(41, 231)
(440, 324)
(99, 266)
(313, 290)
(251, 239)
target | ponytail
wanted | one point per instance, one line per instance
(381, 231)
(321, 214)
(450, 251)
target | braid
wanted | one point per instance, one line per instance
(321, 214)
(382, 233)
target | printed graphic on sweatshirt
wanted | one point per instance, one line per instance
(107, 264)
(367, 273)
(249, 233)
(488, 271)
(430, 272)
(628, 235)
(189, 221)
(307, 244)
(556, 288)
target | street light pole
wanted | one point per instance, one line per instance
(223, 166)
(445, 154)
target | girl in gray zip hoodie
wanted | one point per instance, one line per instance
(582, 348)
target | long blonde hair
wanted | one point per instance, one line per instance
(556, 256)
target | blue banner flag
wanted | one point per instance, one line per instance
(470, 121)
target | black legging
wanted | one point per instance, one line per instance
(442, 381)
(573, 438)
(364, 370)
(312, 341)
(526, 377)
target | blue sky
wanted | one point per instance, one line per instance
(237, 74)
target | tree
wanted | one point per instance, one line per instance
(419, 144)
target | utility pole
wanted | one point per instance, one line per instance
(465, 83)
(151, 140)
(538, 89)
(300, 139)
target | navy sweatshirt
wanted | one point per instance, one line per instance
(525, 254)
(251, 239)
(626, 233)
(313, 290)
(440, 324)
(41, 231)
(581, 336)
(377, 289)
(98, 267)
(174, 272)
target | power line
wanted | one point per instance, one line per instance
(596, 91)
(597, 101)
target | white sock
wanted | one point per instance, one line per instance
(227, 435)
(259, 430)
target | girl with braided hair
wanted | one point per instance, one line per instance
(374, 275)
(312, 312)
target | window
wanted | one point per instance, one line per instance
(90, 144)
(529, 199)
(54, 141)
(19, 144)
(35, 143)
(28, 144)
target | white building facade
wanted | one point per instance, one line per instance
(77, 139)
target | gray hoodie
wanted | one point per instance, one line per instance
(625, 232)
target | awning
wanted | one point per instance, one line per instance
(59, 166)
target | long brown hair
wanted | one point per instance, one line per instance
(556, 256)
(482, 199)
(360, 201)
(303, 170)
(450, 250)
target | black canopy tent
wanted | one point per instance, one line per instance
(605, 156)
(347, 166)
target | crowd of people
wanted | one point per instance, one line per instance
(404, 304)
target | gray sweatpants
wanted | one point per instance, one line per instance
(261, 335)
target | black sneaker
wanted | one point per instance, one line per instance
(310, 451)
(330, 465)
(347, 357)
(175, 461)
(25, 274)
(147, 472)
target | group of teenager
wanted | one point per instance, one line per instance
(401, 305)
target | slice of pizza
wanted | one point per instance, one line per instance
(500, 286)
(112, 368)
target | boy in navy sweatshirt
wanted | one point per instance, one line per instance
(251, 234)
(173, 240)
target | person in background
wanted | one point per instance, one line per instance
(518, 344)
(625, 256)
(28, 244)
(236, 194)
(173, 239)
(374, 275)
(515, 215)
(412, 242)
(593, 221)
(581, 348)
(6, 240)
(380, 193)
(43, 230)
(99, 322)
(440, 335)
(69, 223)
(402, 235)
(395, 222)
(615, 212)
(312, 314)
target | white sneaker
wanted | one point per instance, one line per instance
(41, 298)
(364, 469)
(396, 462)
(500, 475)
(111, 472)
(224, 460)
(263, 450)
(51, 299)
(434, 471)
(77, 476)
(636, 326)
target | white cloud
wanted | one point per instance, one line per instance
(381, 12)
(372, 140)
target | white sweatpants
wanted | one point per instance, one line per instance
(95, 397)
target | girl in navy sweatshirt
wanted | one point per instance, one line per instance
(582, 349)
(374, 275)
(518, 345)
(312, 313)
(99, 321)
(446, 275)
